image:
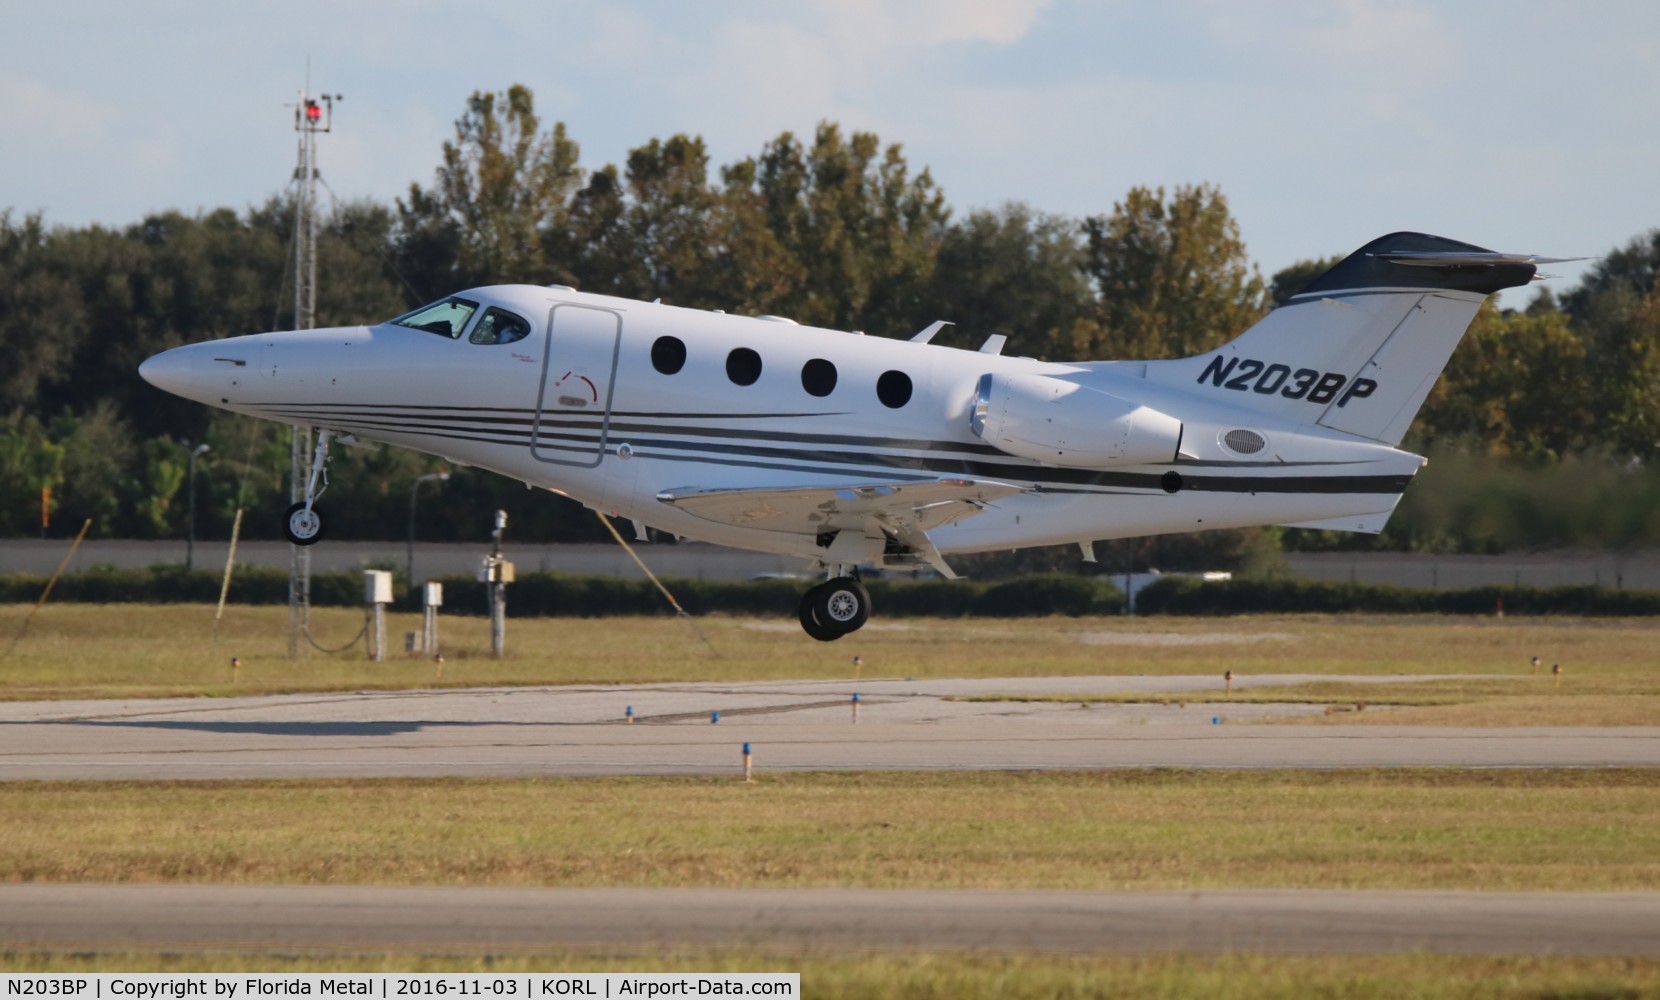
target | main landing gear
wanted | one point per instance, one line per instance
(835, 608)
(303, 524)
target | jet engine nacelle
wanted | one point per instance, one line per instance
(1063, 423)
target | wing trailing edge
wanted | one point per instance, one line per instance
(903, 512)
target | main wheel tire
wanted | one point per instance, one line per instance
(843, 604)
(302, 526)
(810, 623)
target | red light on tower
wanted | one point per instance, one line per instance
(312, 111)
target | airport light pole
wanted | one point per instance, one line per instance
(312, 116)
(190, 518)
(443, 476)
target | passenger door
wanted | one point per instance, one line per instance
(573, 403)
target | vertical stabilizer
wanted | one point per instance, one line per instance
(1360, 347)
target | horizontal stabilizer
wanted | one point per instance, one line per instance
(1429, 258)
(1432, 263)
(1360, 347)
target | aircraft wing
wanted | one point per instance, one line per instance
(904, 511)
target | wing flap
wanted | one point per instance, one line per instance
(921, 506)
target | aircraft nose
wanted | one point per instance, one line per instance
(169, 370)
(184, 371)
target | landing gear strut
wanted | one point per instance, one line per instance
(303, 524)
(835, 608)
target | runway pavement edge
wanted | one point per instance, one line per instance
(355, 919)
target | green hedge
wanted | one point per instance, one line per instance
(173, 585)
(1189, 596)
(553, 594)
(548, 594)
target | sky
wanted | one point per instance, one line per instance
(1517, 125)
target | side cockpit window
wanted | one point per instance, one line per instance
(447, 318)
(498, 326)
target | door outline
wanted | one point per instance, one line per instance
(585, 461)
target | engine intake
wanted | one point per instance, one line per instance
(1063, 423)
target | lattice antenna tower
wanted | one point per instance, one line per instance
(313, 116)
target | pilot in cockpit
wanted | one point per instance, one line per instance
(497, 326)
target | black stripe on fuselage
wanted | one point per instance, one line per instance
(618, 424)
(525, 419)
(582, 433)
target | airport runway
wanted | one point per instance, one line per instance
(791, 726)
(472, 920)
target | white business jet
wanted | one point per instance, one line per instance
(854, 451)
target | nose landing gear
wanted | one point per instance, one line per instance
(303, 524)
(835, 608)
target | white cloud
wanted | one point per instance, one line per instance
(875, 25)
(771, 72)
(32, 110)
(1387, 42)
(1394, 43)
(861, 63)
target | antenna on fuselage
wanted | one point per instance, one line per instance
(927, 334)
(312, 116)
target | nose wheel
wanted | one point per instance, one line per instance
(303, 525)
(833, 609)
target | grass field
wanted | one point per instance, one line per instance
(959, 975)
(1569, 830)
(74, 651)
(1528, 699)
(1394, 829)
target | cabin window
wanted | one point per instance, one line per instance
(498, 326)
(743, 366)
(668, 354)
(447, 318)
(894, 389)
(818, 377)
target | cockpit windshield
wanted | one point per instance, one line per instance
(498, 326)
(447, 318)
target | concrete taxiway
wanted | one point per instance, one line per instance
(472, 920)
(791, 725)
(796, 726)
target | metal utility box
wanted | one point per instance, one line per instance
(432, 594)
(377, 586)
(495, 571)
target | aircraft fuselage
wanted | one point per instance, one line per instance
(850, 450)
(579, 407)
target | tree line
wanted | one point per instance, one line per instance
(834, 229)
